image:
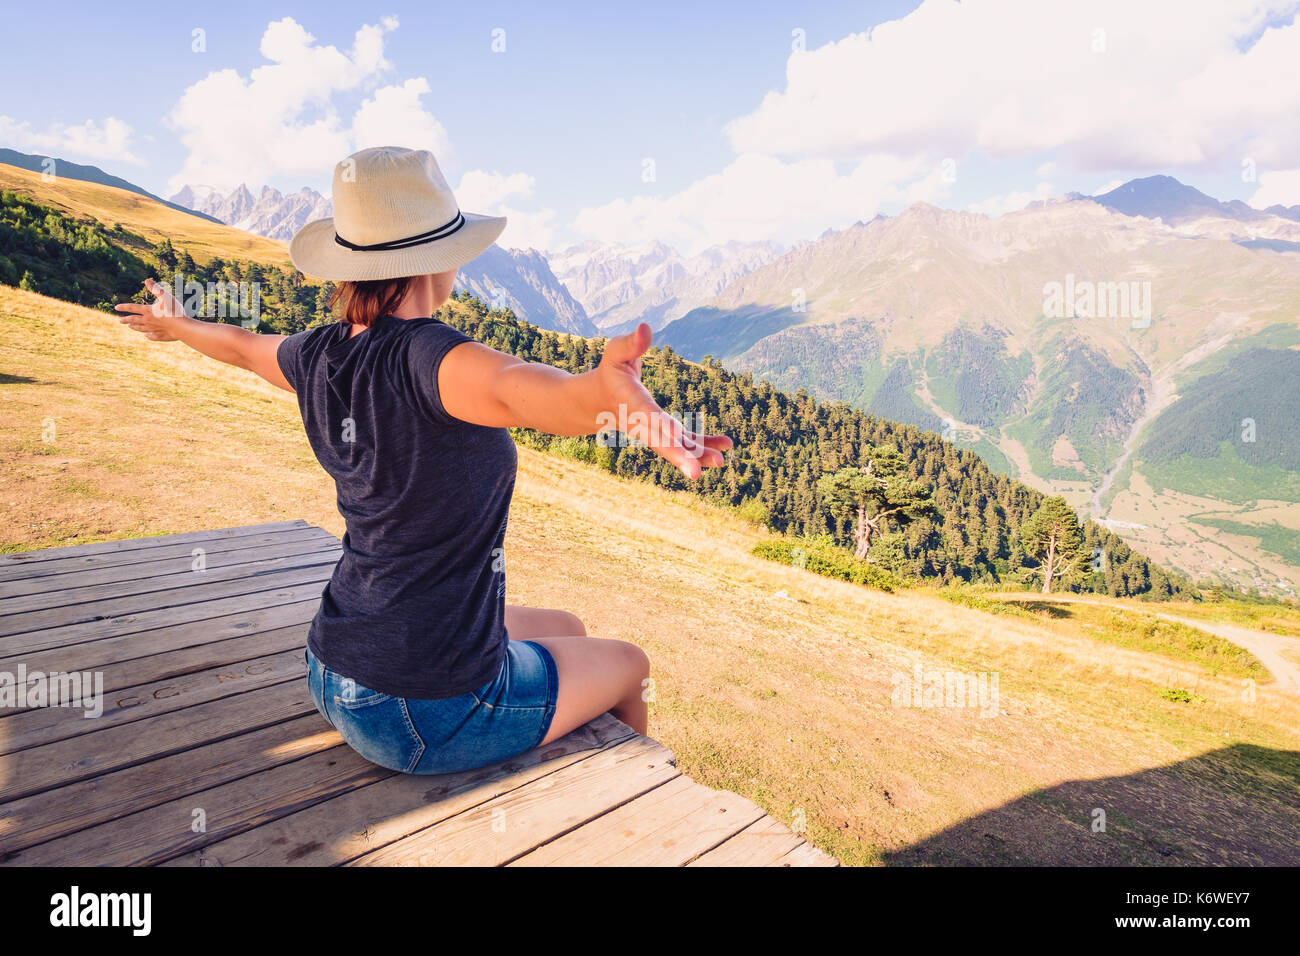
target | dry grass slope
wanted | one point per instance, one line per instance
(769, 681)
(138, 214)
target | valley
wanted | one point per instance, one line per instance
(779, 690)
(936, 318)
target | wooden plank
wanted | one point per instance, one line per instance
(118, 561)
(356, 823)
(508, 826)
(38, 726)
(159, 833)
(225, 583)
(139, 621)
(669, 826)
(97, 569)
(806, 855)
(155, 590)
(30, 820)
(176, 626)
(104, 654)
(137, 544)
(206, 709)
(38, 769)
(189, 660)
(761, 843)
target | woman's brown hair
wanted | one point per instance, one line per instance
(364, 302)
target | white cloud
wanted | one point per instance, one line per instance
(1278, 187)
(481, 191)
(1101, 85)
(394, 116)
(490, 193)
(1107, 187)
(107, 141)
(527, 230)
(1016, 77)
(286, 119)
(995, 206)
(762, 197)
(289, 118)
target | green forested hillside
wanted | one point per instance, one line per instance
(784, 442)
(96, 264)
(1232, 435)
(1093, 403)
(974, 375)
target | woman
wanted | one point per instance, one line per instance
(414, 655)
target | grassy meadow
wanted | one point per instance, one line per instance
(769, 680)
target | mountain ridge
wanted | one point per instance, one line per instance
(940, 318)
(35, 162)
(520, 280)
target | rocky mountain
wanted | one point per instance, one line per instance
(1056, 342)
(1192, 212)
(522, 281)
(271, 213)
(518, 280)
(622, 285)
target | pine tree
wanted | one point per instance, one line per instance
(1053, 537)
(876, 492)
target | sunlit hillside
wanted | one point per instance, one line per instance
(139, 214)
(769, 680)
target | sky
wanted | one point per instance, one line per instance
(691, 123)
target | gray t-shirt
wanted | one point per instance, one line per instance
(416, 606)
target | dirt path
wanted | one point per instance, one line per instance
(1267, 647)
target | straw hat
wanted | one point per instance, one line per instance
(394, 215)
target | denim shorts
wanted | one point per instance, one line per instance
(508, 715)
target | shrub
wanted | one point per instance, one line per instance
(753, 511)
(821, 556)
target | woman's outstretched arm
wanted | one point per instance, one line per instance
(165, 321)
(486, 387)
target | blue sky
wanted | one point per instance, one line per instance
(981, 105)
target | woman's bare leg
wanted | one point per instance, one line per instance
(528, 623)
(596, 674)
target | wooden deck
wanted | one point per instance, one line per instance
(209, 750)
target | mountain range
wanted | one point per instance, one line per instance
(592, 288)
(520, 280)
(1133, 389)
(270, 213)
(622, 285)
(1190, 212)
(1102, 348)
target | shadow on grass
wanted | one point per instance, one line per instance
(1237, 806)
(7, 379)
(1048, 608)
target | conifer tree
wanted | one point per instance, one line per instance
(1052, 536)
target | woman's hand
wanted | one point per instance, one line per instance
(165, 321)
(483, 386)
(158, 321)
(636, 413)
